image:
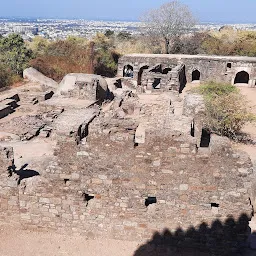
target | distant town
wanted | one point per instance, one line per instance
(54, 29)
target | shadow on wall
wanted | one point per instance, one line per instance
(182, 79)
(229, 238)
(22, 172)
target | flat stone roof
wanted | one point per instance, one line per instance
(68, 102)
(69, 121)
(186, 56)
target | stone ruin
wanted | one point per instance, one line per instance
(172, 71)
(107, 162)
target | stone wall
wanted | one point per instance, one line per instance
(9, 192)
(83, 86)
(211, 68)
(99, 188)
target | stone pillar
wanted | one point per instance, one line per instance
(251, 83)
(150, 83)
(135, 71)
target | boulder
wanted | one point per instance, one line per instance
(35, 76)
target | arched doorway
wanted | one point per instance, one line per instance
(140, 73)
(196, 75)
(128, 71)
(242, 77)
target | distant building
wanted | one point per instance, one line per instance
(25, 29)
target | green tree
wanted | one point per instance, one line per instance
(106, 58)
(39, 45)
(124, 35)
(14, 53)
(109, 33)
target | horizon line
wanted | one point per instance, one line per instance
(113, 20)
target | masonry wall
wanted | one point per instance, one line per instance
(9, 196)
(211, 68)
(120, 176)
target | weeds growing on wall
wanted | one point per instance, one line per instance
(226, 109)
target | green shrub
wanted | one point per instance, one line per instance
(5, 76)
(226, 109)
(213, 89)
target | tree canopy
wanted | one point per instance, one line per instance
(14, 54)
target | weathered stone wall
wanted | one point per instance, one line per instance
(211, 68)
(9, 196)
(83, 86)
(120, 176)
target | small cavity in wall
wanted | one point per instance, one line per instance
(87, 198)
(192, 130)
(150, 200)
(215, 208)
(205, 138)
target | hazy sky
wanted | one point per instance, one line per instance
(206, 10)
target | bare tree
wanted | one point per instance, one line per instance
(169, 21)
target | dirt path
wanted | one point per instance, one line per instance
(15, 242)
(250, 94)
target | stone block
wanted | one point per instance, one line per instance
(96, 181)
(102, 177)
(44, 200)
(183, 187)
(64, 176)
(82, 153)
(156, 163)
(75, 176)
(185, 150)
(185, 145)
(140, 134)
(55, 201)
(123, 205)
(25, 216)
(167, 171)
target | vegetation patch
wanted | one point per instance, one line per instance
(226, 109)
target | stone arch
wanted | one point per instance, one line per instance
(141, 72)
(196, 75)
(242, 77)
(128, 71)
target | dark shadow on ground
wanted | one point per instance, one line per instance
(22, 173)
(220, 239)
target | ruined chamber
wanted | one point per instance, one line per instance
(125, 168)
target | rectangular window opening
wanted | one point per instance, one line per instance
(205, 138)
(192, 130)
(214, 205)
(150, 200)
